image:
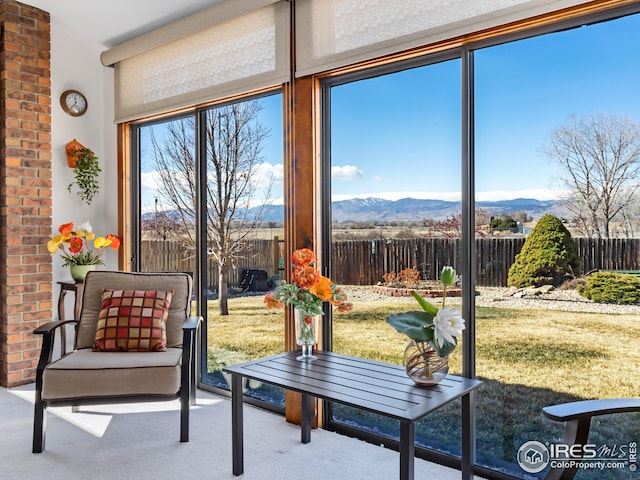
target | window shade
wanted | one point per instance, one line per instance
(336, 33)
(240, 54)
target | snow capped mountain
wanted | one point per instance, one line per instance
(405, 209)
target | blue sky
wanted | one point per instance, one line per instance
(404, 128)
(398, 135)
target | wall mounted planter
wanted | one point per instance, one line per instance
(72, 146)
(85, 170)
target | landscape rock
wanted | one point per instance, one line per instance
(555, 299)
(528, 291)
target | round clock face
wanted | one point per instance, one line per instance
(73, 102)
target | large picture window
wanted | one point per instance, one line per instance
(395, 174)
(407, 149)
(392, 183)
(533, 96)
(239, 147)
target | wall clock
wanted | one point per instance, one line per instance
(73, 102)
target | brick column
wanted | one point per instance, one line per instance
(25, 187)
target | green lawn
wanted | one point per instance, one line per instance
(586, 355)
(527, 359)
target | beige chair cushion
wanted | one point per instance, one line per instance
(88, 374)
(97, 280)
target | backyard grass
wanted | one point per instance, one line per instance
(527, 359)
(586, 355)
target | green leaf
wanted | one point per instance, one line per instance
(444, 350)
(426, 306)
(415, 325)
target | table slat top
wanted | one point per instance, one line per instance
(375, 386)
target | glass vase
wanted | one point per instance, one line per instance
(423, 364)
(306, 333)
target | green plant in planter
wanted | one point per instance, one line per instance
(86, 175)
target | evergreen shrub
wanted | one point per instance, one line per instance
(503, 223)
(547, 257)
(609, 287)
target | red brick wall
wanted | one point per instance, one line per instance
(25, 187)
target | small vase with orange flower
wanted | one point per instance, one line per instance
(306, 293)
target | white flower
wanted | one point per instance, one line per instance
(447, 324)
(86, 226)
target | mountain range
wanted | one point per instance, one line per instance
(411, 209)
(407, 209)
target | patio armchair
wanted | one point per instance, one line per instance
(577, 416)
(150, 356)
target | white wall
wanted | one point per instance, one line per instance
(75, 64)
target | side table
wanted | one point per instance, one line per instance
(77, 289)
(369, 385)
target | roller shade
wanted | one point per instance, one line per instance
(188, 63)
(337, 33)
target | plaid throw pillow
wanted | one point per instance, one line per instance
(133, 321)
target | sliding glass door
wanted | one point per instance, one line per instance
(210, 198)
(573, 88)
(394, 163)
(243, 155)
(392, 181)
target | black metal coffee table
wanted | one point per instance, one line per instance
(377, 387)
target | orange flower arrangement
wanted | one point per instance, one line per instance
(77, 242)
(308, 289)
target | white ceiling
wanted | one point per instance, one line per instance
(111, 22)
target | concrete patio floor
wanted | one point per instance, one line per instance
(140, 441)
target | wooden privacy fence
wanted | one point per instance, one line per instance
(364, 262)
(166, 256)
(611, 254)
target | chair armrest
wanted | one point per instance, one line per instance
(577, 416)
(591, 408)
(48, 338)
(188, 374)
(192, 323)
(189, 333)
(50, 327)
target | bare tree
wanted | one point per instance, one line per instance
(521, 216)
(481, 217)
(234, 142)
(600, 155)
(451, 227)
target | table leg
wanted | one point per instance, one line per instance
(468, 434)
(305, 421)
(236, 424)
(63, 293)
(407, 450)
(63, 330)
